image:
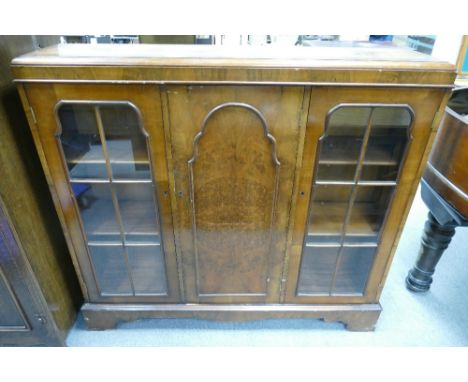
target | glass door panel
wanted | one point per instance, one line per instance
(147, 267)
(368, 212)
(353, 269)
(111, 269)
(97, 211)
(358, 162)
(317, 268)
(105, 148)
(126, 142)
(328, 211)
(81, 143)
(340, 147)
(138, 214)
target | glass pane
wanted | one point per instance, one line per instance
(80, 141)
(350, 198)
(110, 269)
(112, 184)
(387, 141)
(335, 172)
(328, 211)
(342, 143)
(368, 211)
(355, 264)
(137, 209)
(97, 211)
(317, 268)
(376, 172)
(147, 265)
(126, 143)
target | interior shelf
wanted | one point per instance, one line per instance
(345, 150)
(328, 218)
(107, 181)
(314, 239)
(376, 183)
(120, 151)
(125, 163)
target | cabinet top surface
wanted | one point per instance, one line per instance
(342, 54)
(321, 57)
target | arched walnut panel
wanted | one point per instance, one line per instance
(234, 174)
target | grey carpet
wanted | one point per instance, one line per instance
(437, 318)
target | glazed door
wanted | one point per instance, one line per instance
(234, 152)
(104, 150)
(362, 150)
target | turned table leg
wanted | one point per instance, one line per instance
(434, 242)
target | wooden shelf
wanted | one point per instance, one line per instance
(334, 239)
(328, 218)
(345, 150)
(346, 154)
(372, 183)
(92, 165)
(120, 152)
(107, 181)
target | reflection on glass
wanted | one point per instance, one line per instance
(147, 265)
(317, 268)
(106, 153)
(97, 211)
(126, 143)
(137, 212)
(359, 158)
(387, 142)
(80, 141)
(353, 269)
(368, 211)
(110, 269)
(328, 211)
(340, 147)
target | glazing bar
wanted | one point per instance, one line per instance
(352, 183)
(115, 181)
(352, 197)
(113, 192)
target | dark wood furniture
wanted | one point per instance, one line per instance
(39, 290)
(201, 181)
(444, 189)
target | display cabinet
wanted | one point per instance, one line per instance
(232, 184)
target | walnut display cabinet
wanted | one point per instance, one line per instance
(232, 184)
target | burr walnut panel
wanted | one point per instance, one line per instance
(234, 184)
(234, 152)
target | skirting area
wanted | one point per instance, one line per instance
(437, 318)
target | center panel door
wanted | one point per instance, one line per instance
(234, 152)
(103, 148)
